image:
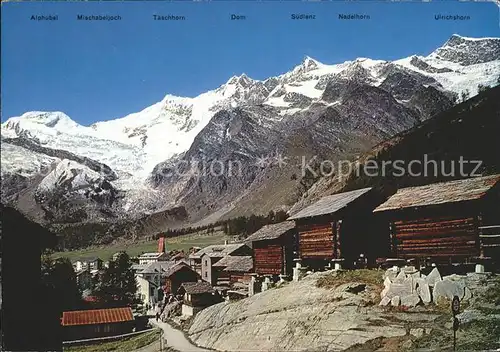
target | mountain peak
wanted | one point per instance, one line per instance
(468, 51)
(47, 118)
(309, 64)
(242, 80)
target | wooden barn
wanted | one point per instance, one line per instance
(177, 275)
(234, 269)
(273, 248)
(210, 255)
(87, 324)
(197, 296)
(341, 227)
(447, 221)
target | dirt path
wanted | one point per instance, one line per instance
(175, 338)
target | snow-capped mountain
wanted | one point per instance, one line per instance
(343, 108)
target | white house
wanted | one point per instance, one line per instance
(92, 263)
(151, 280)
(148, 258)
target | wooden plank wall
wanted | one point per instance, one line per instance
(268, 257)
(316, 241)
(436, 237)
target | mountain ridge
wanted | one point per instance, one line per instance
(331, 111)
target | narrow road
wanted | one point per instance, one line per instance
(175, 338)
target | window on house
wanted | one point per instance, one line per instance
(206, 262)
(206, 274)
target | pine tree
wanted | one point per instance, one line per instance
(118, 285)
(59, 275)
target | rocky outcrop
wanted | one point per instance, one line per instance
(297, 316)
(409, 287)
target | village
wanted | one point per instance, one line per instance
(427, 239)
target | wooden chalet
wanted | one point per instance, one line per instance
(197, 296)
(273, 248)
(177, 275)
(234, 269)
(341, 227)
(87, 324)
(205, 258)
(448, 221)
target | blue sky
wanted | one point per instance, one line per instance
(96, 71)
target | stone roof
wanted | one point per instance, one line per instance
(330, 204)
(197, 287)
(236, 263)
(440, 193)
(175, 268)
(217, 250)
(156, 268)
(272, 231)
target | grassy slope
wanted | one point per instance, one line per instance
(178, 243)
(129, 344)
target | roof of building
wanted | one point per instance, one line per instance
(156, 267)
(440, 193)
(97, 316)
(330, 204)
(197, 287)
(177, 267)
(217, 250)
(272, 231)
(236, 263)
(151, 255)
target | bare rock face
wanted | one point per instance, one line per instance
(298, 316)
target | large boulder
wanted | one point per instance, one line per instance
(424, 293)
(401, 289)
(410, 300)
(385, 301)
(400, 278)
(433, 277)
(448, 289)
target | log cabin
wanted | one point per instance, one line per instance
(340, 228)
(233, 269)
(197, 296)
(446, 221)
(210, 255)
(273, 248)
(177, 275)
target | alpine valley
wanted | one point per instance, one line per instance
(239, 149)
